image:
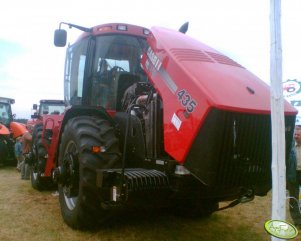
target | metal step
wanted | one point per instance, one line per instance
(135, 179)
(145, 179)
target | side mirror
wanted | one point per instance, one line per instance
(60, 37)
(34, 106)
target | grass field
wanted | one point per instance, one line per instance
(29, 215)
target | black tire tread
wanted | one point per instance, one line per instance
(87, 131)
(39, 183)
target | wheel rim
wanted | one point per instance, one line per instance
(34, 175)
(70, 202)
(70, 175)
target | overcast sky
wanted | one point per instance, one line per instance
(31, 68)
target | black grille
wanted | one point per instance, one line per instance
(233, 150)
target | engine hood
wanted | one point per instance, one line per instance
(3, 130)
(193, 65)
(18, 129)
(193, 79)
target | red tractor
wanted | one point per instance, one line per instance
(46, 107)
(9, 131)
(48, 115)
(157, 118)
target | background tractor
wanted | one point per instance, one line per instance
(46, 107)
(156, 118)
(9, 131)
(47, 115)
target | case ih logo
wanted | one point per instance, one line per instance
(154, 59)
(291, 87)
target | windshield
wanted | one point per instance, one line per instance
(117, 60)
(74, 72)
(114, 59)
(5, 114)
(52, 109)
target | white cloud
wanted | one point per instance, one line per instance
(239, 29)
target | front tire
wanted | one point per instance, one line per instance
(40, 156)
(79, 199)
(3, 151)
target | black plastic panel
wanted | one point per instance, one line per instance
(233, 151)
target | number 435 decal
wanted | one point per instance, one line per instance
(186, 100)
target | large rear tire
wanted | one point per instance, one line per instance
(3, 151)
(40, 156)
(78, 194)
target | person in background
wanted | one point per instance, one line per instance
(18, 152)
(294, 177)
(26, 151)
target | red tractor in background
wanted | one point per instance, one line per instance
(47, 115)
(156, 118)
(46, 107)
(9, 131)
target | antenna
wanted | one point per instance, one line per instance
(71, 25)
(184, 28)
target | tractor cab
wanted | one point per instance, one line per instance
(6, 116)
(9, 131)
(101, 67)
(48, 107)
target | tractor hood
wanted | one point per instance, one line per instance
(185, 63)
(193, 79)
(18, 129)
(3, 130)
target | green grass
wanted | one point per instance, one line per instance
(29, 215)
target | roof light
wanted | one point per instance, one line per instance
(146, 31)
(104, 28)
(122, 27)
